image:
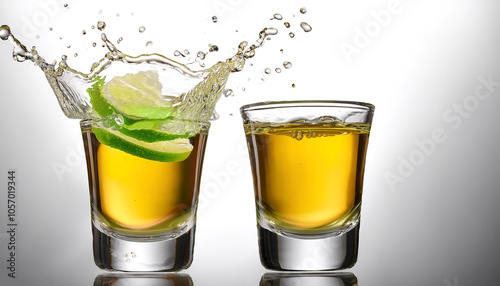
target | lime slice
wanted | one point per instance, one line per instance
(164, 151)
(138, 95)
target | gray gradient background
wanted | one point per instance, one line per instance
(439, 226)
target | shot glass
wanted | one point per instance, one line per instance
(307, 160)
(143, 211)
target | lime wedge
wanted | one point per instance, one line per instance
(164, 151)
(132, 95)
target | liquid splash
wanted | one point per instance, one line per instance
(193, 94)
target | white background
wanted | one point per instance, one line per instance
(430, 213)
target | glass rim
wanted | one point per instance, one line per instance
(307, 103)
(87, 120)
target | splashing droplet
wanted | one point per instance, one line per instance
(303, 10)
(228, 92)
(287, 65)
(142, 29)
(278, 70)
(291, 35)
(201, 55)
(277, 17)
(287, 24)
(149, 43)
(213, 48)
(267, 70)
(214, 19)
(306, 27)
(101, 25)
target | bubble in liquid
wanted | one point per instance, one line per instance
(142, 29)
(267, 70)
(149, 43)
(228, 92)
(101, 25)
(291, 35)
(303, 10)
(287, 65)
(213, 48)
(287, 24)
(306, 27)
(84, 32)
(214, 19)
(277, 17)
(278, 70)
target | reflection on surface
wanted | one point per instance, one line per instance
(309, 279)
(156, 279)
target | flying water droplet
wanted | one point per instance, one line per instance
(278, 70)
(84, 32)
(142, 29)
(287, 65)
(293, 85)
(214, 19)
(287, 24)
(186, 52)
(101, 25)
(149, 43)
(213, 48)
(201, 55)
(75, 55)
(292, 35)
(215, 115)
(120, 39)
(306, 27)
(92, 27)
(94, 44)
(277, 17)
(228, 92)
(303, 10)
(267, 70)
(50, 29)
(177, 53)
(68, 46)
(66, 5)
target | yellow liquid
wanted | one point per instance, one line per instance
(133, 195)
(307, 176)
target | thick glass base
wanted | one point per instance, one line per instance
(173, 254)
(279, 252)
